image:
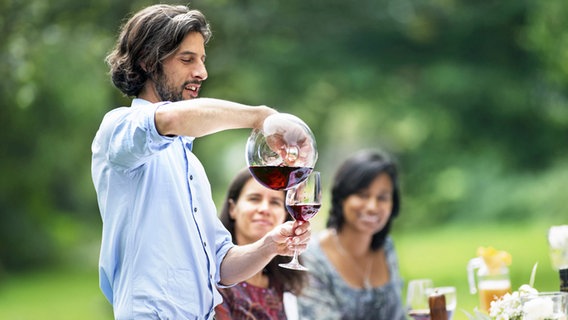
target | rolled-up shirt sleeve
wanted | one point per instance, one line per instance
(131, 136)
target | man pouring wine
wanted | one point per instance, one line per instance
(163, 250)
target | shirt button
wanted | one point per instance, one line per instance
(204, 244)
(190, 177)
(194, 209)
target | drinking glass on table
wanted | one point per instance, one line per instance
(545, 305)
(303, 202)
(417, 298)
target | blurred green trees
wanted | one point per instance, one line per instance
(470, 96)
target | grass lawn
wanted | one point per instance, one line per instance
(441, 254)
(53, 295)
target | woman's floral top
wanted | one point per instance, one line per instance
(247, 302)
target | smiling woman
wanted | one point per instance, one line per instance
(255, 211)
(249, 212)
(355, 267)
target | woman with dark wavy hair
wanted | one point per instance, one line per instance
(249, 211)
(354, 267)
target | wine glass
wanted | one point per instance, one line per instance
(417, 298)
(545, 305)
(283, 153)
(303, 203)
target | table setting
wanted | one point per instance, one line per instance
(527, 302)
(488, 277)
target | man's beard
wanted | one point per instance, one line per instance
(167, 92)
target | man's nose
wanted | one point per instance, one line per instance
(200, 72)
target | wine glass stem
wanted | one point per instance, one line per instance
(295, 257)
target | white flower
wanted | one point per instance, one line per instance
(507, 307)
(525, 289)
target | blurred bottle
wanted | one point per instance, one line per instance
(437, 305)
(563, 280)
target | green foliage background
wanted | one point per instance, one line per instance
(470, 96)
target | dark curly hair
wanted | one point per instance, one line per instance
(357, 173)
(289, 280)
(146, 39)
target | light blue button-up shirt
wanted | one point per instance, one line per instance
(162, 243)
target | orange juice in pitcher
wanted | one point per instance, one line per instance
(490, 290)
(492, 275)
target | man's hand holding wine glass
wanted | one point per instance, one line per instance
(290, 236)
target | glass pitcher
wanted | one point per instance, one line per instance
(492, 275)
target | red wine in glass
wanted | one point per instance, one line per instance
(303, 212)
(303, 202)
(279, 177)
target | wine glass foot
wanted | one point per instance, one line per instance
(294, 266)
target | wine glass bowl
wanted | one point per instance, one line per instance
(417, 298)
(303, 203)
(283, 153)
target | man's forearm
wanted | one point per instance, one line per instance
(203, 116)
(242, 262)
